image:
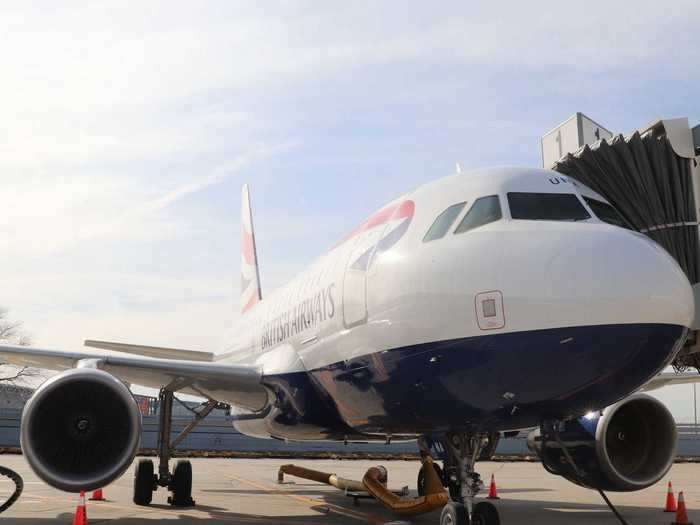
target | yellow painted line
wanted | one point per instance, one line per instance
(362, 516)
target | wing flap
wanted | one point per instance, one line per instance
(152, 351)
(234, 384)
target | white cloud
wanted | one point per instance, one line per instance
(100, 82)
(43, 214)
(133, 215)
(194, 325)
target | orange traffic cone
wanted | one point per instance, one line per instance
(80, 512)
(670, 499)
(98, 496)
(681, 514)
(492, 489)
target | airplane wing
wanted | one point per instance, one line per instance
(234, 384)
(670, 378)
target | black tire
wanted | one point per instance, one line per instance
(485, 513)
(420, 484)
(454, 514)
(143, 482)
(181, 485)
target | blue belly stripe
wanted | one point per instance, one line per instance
(491, 382)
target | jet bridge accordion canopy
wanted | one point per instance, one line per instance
(652, 187)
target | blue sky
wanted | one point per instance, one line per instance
(128, 130)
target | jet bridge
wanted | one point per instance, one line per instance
(652, 177)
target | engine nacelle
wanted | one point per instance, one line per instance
(629, 446)
(80, 430)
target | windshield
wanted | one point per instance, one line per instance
(546, 207)
(483, 211)
(606, 213)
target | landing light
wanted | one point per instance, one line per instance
(591, 415)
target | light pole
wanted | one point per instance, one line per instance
(695, 407)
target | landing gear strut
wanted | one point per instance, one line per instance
(180, 481)
(463, 449)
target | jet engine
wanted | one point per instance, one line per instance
(80, 430)
(628, 446)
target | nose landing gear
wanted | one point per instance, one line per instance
(462, 450)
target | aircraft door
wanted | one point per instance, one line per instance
(355, 278)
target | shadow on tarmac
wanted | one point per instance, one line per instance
(512, 513)
(217, 517)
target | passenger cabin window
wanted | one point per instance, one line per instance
(546, 207)
(443, 222)
(483, 211)
(606, 213)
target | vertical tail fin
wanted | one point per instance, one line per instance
(250, 275)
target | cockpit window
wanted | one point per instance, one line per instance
(483, 211)
(443, 222)
(606, 213)
(546, 207)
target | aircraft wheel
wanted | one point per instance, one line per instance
(143, 482)
(485, 514)
(421, 478)
(454, 514)
(181, 485)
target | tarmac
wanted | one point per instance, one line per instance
(246, 491)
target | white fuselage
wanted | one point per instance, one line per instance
(384, 289)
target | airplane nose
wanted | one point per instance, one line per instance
(669, 291)
(623, 277)
(628, 306)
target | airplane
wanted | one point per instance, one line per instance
(470, 307)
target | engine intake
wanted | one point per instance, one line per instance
(80, 430)
(630, 446)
